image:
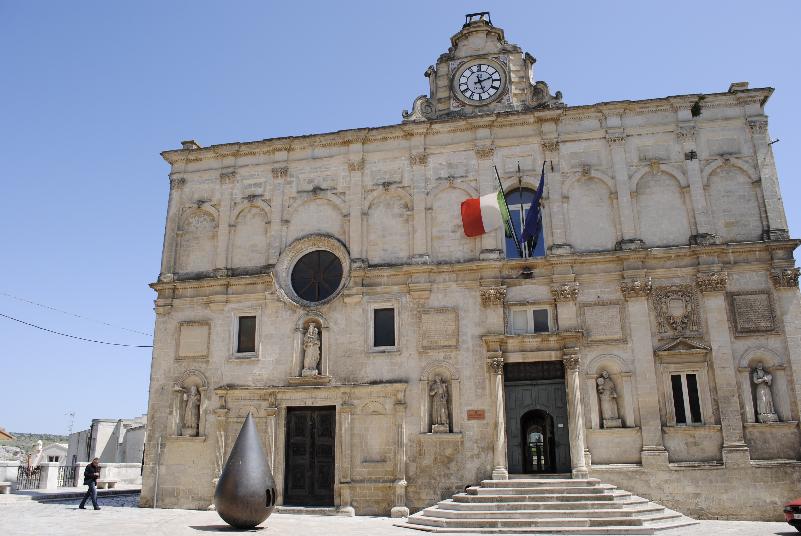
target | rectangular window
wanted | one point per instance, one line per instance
(383, 327)
(686, 402)
(246, 335)
(529, 320)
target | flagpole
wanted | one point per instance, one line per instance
(522, 216)
(512, 227)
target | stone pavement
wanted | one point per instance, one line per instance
(121, 517)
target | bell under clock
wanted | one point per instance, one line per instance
(479, 82)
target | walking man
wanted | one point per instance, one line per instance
(90, 476)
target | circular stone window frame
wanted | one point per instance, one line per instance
(497, 65)
(282, 272)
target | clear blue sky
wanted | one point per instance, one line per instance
(91, 92)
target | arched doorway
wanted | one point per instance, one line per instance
(539, 445)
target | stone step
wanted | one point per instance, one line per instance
(540, 482)
(544, 490)
(418, 519)
(641, 511)
(464, 497)
(572, 531)
(538, 505)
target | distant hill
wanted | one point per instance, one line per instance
(17, 448)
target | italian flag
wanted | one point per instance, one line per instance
(486, 213)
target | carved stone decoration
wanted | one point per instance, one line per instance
(191, 424)
(685, 134)
(541, 96)
(636, 288)
(571, 358)
(712, 281)
(676, 308)
(496, 365)
(607, 394)
(440, 420)
(618, 139)
(550, 146)
(785, 278)
(704, 239)
(565, 292)
(177, 183)
(418, 159)
(764, 399)
(227, 177)
(485, 153)
(245, 493)
(491, 296)
(311, 351)
(759, 126)
(356, 165)
(280, 172)
(422, 110)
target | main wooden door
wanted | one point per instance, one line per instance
(537, 436)
(310, 446)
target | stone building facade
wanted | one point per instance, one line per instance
(324, 284)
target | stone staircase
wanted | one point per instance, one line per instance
(548, 505)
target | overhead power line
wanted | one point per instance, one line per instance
(73, 314)
(75, 336)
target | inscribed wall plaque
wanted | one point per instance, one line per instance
(193, 340)
(438, 328)
(753, 311)
(602, 321)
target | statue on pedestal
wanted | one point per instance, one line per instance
(191, 424)
(440, 421)
(608, 397)
(764, 399)
(311, 351)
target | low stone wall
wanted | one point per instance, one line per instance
(126, 473)
(756, 492)
(8, 472)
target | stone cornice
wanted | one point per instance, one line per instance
(400, 131)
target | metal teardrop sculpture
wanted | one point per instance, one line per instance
(245, 493)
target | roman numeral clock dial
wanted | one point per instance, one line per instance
(479, 83)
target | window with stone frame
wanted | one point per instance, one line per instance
(686, 402)
(529, 319)
(383, 326)
(245, 334)
(686, 390)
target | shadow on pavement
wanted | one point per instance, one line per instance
(224, 528)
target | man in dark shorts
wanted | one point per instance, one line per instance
(90, 476)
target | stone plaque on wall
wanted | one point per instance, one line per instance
(752, 311)
(476, 414)
(438, 328)
(602, 321)
(193, 340)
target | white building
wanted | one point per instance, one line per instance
(111, 440)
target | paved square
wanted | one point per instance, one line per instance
(121, 517)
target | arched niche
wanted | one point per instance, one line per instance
(197, 241)
(301, 326)
(388, 227)
(447, 240)
(250, 240)
(448, 373)
(316, 215)
(621, 374)
(659, 200)
(734, 200)
(182, 387)
(773, 363)
(591, 222)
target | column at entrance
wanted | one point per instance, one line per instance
(575, 413)
(499, 466)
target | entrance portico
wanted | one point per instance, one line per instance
(536, 348)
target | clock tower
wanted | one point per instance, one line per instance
(481, 73)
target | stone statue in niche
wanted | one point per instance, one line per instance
(608, 396)
(440, 421)
(191, 424)
(764, 399)
(311, 351)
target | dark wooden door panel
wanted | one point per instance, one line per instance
(310, 447)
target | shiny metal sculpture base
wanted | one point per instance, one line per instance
(245, 493)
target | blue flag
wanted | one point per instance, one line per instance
(531, 230)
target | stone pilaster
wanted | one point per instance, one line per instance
(280, 176)
(617, 146)
(419, 162)
(553, 187)
(713, 287)
(355, 206)
(227, 180)
(400, 509)
(344, 422)
(487, 183)
(705, 231)
(575, 413)
(788, 303)
(565, 295)
(774, 208)
(636, 292)
(174, 206)
(499, 463)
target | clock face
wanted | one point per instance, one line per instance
(479, 82)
